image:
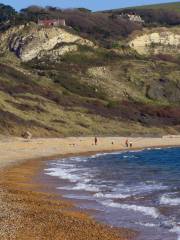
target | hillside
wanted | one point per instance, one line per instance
(173, 6)
(64, 81)
(88, 90)
(153, 15)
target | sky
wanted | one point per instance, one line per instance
(94, 5)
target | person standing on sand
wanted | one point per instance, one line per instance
(130, 144)
(27, 135)
(127, 143)
(95, 140)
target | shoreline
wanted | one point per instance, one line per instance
(18, 150)
(27, 198)
(31, 210)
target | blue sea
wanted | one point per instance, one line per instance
(135, 189)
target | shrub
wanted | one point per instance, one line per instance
(112, 104)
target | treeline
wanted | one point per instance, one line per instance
(6, 12)
(98, 26)
(102, 26)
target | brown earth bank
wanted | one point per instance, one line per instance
(26, 212)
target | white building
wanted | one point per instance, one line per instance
(132, 17)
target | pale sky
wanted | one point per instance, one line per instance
(94, 5)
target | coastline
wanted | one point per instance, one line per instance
(28, 211)
(18, 150)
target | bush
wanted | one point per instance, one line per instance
(112, 104)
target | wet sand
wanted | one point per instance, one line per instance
(28, 212)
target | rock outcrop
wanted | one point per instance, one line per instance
(32, 41)
(155, 41)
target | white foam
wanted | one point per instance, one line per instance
(78, 159)
(98, 155)
(138, 189)
(146, 224)
(135, 151)
(122, 191)
(105, 154)
(176, 229)
(166, 199)
(63, 174)
(86, 187)
(149, 211)
(112, 195)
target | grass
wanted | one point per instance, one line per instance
(175, 6)
(92, 91)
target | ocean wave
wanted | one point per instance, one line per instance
(147, 224)
(86, 187)
(111, 195)
(78, 159)
(176, 229)
(167, 199)
(106, 153)
(136, 151)
(121, 191)
(63, 174)
(149, 211)
(141, 188)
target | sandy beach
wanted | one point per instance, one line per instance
(14, 150)
(27, 212)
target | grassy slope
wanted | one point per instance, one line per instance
(175, 6)
(101, 93)
(47, 109)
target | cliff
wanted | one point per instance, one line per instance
(157, 40)
(31, 41)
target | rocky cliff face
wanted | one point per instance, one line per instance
(29, 42)
(155, 41)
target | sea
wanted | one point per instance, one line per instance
(138, 189)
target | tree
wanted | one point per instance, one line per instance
(6, 12)
(33, 13)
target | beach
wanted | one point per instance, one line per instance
(15, 150)
(29, 212)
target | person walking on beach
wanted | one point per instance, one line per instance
(95, 140)
(127, 143)
(130, 144)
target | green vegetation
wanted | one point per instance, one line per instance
(153, 15)
(106, 89)
(118, 96)
(174, 6)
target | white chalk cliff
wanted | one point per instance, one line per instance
(32, 41)
(154, 41)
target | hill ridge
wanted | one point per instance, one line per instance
(170, 5)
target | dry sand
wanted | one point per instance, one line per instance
(13, 150)
(28, 213)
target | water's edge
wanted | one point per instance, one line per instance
(79, 182)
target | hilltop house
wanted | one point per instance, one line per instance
(52, 22)
(132, 17)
